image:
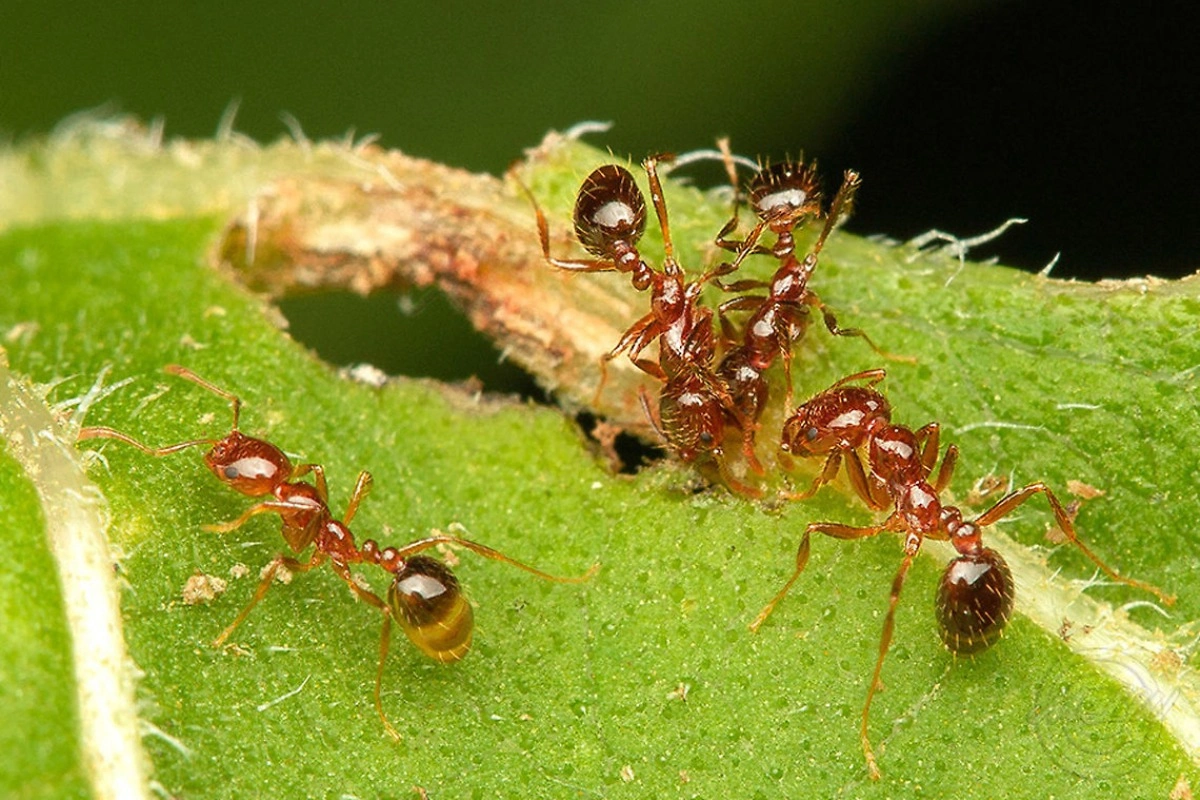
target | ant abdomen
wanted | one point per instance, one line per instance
(693, 417)
(426, 600)
(745, 383)
(974, 601)
(610, 212)
(784, 189)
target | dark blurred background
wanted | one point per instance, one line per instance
(1081, 117)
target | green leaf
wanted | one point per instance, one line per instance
(644, 682)
(39, 739)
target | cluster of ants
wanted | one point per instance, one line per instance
(714, 383)
(424, 596)
(714, 386)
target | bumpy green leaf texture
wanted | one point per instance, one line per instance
(644, 682)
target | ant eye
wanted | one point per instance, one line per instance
(811, 434)
(232, 472)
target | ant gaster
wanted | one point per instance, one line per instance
(610, 218)
(424, 595)
(975, 594)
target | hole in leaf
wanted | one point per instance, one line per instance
(421, 334)
(418, 334)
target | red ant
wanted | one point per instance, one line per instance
(610, 218)
(784, 196)
(975, 595)
(424, 595)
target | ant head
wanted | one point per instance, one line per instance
(248, 465)
(426, 600)
(974, 600)
(610, 215)
(786, 192)
(802, 436)
(842, 418)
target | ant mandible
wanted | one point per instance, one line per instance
(424, 595)
(975, 594)
(610, 218)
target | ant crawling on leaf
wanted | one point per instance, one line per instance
(975, 595)
(694, 404)
(784, 196)
(424, 596)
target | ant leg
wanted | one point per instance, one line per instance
(101, 432)
(744, 489)
(732, 245)
(842, 203)
(574, 265)
(660, 204)
(832, 464)
(831, 324)
(744, 247)
(635, 339)
(728, 332)
(748, 247)
(651, 415)
(268, 507)
(421, 545)
(366, 595)
(861, 484)
(1005, 506)
(885, 642)
(651, 368)
(183, 372)
(730, 163)
(361, 487)
(748, 427)
(834, 529)
(720, 270)
(749, 430)
(318, 472)
(946, 471)
(385, 642)
(929, 441)
(748, 302)
(929, 438)
(744, 286)
(785, 350)
(265, 584)
(802, 554)
(871, 376)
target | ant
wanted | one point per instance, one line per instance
(610, 218)
(784, 196)
(975, 594)
(424, 596)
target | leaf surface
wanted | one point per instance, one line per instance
(645, 681)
